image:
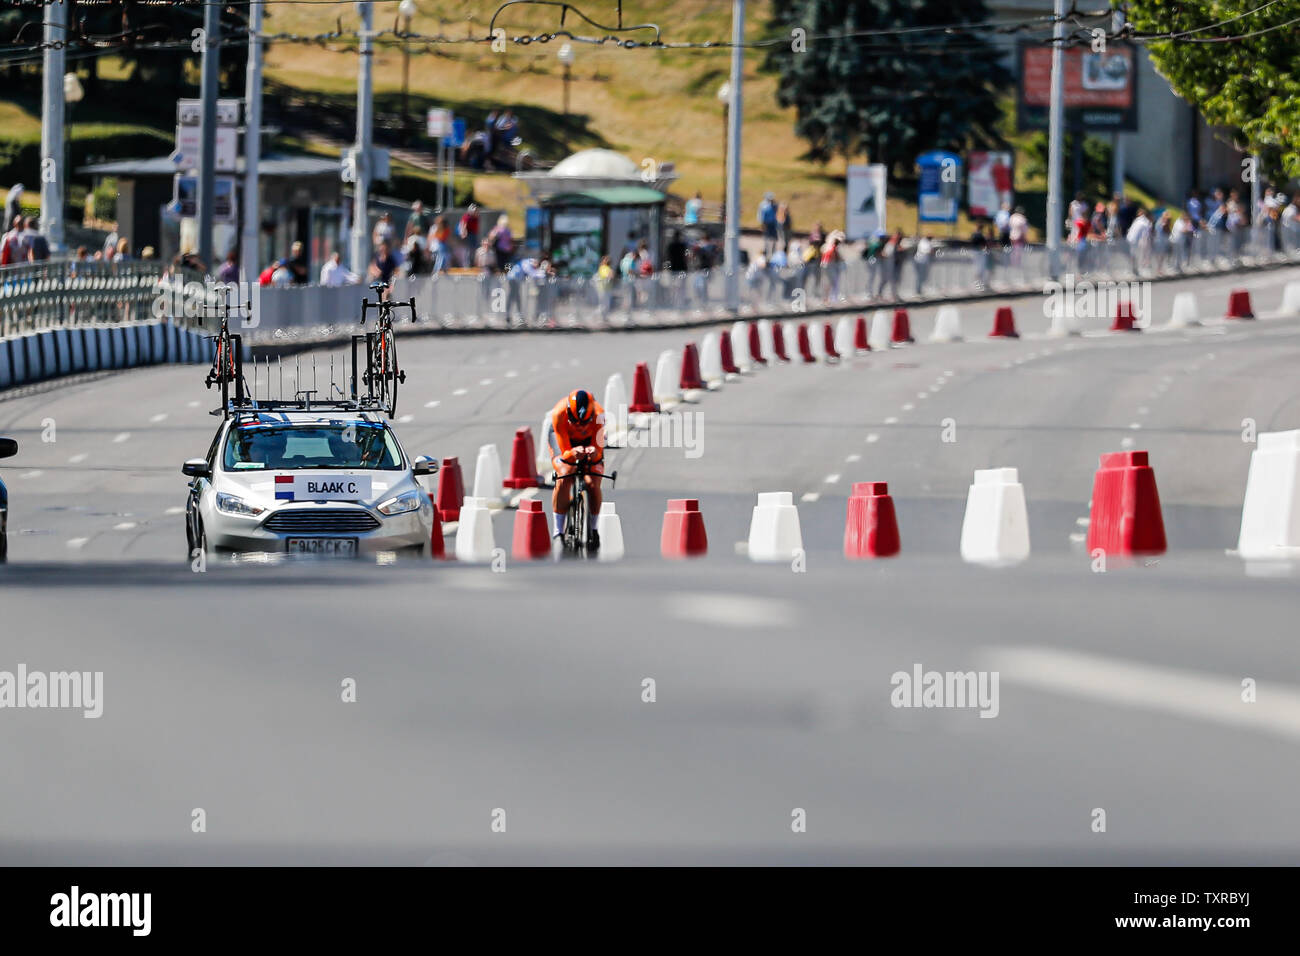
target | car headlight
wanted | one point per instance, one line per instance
(400, 505)
(232, 505)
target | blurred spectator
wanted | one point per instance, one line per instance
(38, 248)
(415, 252)
(440, 245)
(503, 242)
(467, 229)
(1126, 211)
(298, 264)
(1139, 240)
(921, 261)
(385, 262)
(123, 253)
(264, 277)
(979, 244)
(784, 225)
(604, 282)
(282, 276)
(14, 203)
(229, 271)
(1161, 238)
(691, 215)
(333, 274)
(416, 220)
(767, 222)
(832, 264)
(1002, 221)
(484, 260)
(1019, 234)
(148, 253)
(384, 230)
(507, 128)
(13, 247)
(676, 252)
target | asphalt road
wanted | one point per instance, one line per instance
(523, 690)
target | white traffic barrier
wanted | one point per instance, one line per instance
(711, 360)
(844, 329)
(1063, 323)
(766, 341)
(774, 533)
(544, 450)
(488, 483)
(1270, 514)
(610, 529)
(947, 325)
(816, 341)
(474, 540)
(881, 334)
(740, 346)
(668, 377)
(616, 402)
(1290, 301)
(995, 530)
(1184, 313)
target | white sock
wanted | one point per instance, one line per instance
(591, 522)
(561, 518)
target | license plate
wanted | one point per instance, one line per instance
(331, 547)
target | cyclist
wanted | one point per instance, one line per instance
(577, 432)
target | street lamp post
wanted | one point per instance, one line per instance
(724, 97)
(565, 56)
(73, 93)
(406, 10)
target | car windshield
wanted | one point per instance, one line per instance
(281, 447)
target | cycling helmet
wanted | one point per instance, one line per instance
(579, 407)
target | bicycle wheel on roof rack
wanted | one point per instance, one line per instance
(389, 374)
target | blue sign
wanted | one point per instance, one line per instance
(940, 186)
(456, 138)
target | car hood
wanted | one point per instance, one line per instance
(345, 487)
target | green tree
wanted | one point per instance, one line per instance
(890, 97)
(1250, 85)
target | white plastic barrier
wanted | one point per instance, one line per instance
(740, 346)
(1290, 300)
(881, 334)
(844, 329)
(474, 540)
(1184, 312)
(668, 377)
(774, 533)
(488, 483)
(1270, 514)
(711, 360)
(610, 529)
(1063, 323)
(995, 530)
(947, 325)
(766, 343)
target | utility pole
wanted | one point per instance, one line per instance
(359, 255)
(1056, 120)
(208, 129)
(252, 219)
(735, 109)
(53, 174)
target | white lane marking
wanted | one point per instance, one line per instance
(908, 407)
(405, 418)
(485, 381)
(948, 373)
(832, 479)
(935, 388)
(34, 473)
(852, 458)
(922, 395)
(891, 420)
(1126, 442)
(124, 526)
(433, 404)
(810, 496)
(872, 438)
(461, 391)
(1144, 410)
(78, 459)
(193, 404)
(1142, 686)
(76, 543)
(161, 416)
(534, 367)
(121, 437)
(175, 510)
(1135, 425)
(731, 610)
(512, 374)
(1083, 522)
(1078, 536)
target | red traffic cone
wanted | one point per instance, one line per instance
(828, 339)
(523, 460)
(756, 345)
(437, 548)
(451, 489)
(805, 343)
(532, 537)
(729, 366)
(683, 531)
(902, 327)
(1239, 305)
(1124, 318)
(691, 368)
(860, 343)
(871, 527)
(1004, 324)
(642, 396)
(778, 341)
(1126, 516)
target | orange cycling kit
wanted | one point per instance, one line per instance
(577, 422)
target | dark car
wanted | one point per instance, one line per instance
(8, 448)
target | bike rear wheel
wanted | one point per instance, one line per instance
(389, 372)
(575, 531)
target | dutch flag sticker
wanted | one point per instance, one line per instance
(284, 487)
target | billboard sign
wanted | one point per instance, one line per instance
(864, 198)
(1100, 88)
(989, 182)
(940, 186)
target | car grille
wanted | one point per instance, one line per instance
(321, 521)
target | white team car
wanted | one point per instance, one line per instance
(311, 483)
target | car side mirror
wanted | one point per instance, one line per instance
(8, 447)
(424, 465)
(197, 468)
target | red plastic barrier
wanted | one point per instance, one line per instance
(860, 343)
(828, 340)
(691, 368)
(437, 547)
(451, 489)
(683, 533)
(902, 327)
(871, 527)
(1126, 517)
(729, 365)
(642, 395)
(532, 536)
(756, 345)
(1125, 320)
(1004, 324)
(805, 343)
(1239, 305)
(523, 460)
(778, 341)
